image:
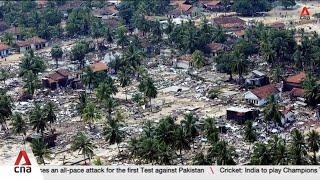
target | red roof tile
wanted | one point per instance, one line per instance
(298, 78)
(99, 66)
(265, 91)
(185, 7)
(28, 42)
(3, 46)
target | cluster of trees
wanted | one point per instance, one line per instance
(30, 66)
(42, 22)
(295, 151)
(188, 38)
(251, 7)
(128, 9)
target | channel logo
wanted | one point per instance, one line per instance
(22, 167)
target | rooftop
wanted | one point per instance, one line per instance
(265, 91)
(239, 109)
(298, 78)
(223, 20)
(99, 66)
(3, 46)
(33, 40)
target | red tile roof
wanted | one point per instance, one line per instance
(99, 66)
(185, 7)
(228, 20)
(297, 92)
(64, 72)
(58, 75)
(3, 47)
(265, 91)
(28, 42)
(298, 78)
(186, 57)
(215, 47)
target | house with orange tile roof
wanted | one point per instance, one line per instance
(59, 78)
(294, 81)
(34, 43)
(259, 96)
(99, 67)
(4, 50)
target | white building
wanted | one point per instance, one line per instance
(4, 50)
(34, 43)
(259, 96)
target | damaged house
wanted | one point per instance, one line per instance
(240, 115)
(4, 50)
(258, 79)
(259, 96)
(60, 78)
(294, 81)
(34, 43)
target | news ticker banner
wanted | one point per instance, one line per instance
(145, 172)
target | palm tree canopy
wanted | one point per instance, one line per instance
(37, 119)
(82, 143)
(19, 125)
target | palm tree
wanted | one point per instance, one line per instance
(84, 145)
(222, 153)
(181, 140)
(6, 105)
(40, 150)
(278, 150)
(88, 77)
(148, 130)
(277, 75)
(31, 82)
(239, 66)
(165, 131)
(83, 101)
(148, 150)
(19, 125)
(56, 53)
(312, 91)
(297, 148)
(211, 131)
(272, 113)
(133, 56)
(165, 154)
(261, 155)
(124, 79)
(110, 104)
(189, 124)
(37, 120)
(122, 38)
(4, 75)
(113, 131)
(267, 52)
(313, 141)
(90, 114)
(250, 132)
(31, 62)
(200, 160)
(147, 87)
(50, 115)
(106, 89)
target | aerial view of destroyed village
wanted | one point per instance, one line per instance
(160, 82)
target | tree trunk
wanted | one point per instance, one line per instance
(57, 64)
(315, 158)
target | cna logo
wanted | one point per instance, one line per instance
(25, 167)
